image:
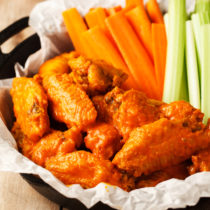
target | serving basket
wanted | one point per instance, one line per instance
(7, 61)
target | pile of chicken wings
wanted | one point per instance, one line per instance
(75, 119)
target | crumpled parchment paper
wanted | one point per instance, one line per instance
(46, 19)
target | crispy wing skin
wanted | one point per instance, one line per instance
(108, 105)
(68, 102)
(25, 145)
(158, 145)
(95, 77)
(135, 110)
(103, 140)
(183, 111)
(56, 65)
(56, 142)
(178, 172)
(126, 110)
(30, 107)
(201, 162)
(86, 169)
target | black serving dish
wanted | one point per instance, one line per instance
(20, 54)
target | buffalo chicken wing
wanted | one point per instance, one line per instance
(103, 140)
(177, 171)
(30, 107)
(159, 145)
(68, 102)
(84, 168)
(95, 76)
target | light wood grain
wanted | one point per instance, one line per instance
(15, 193)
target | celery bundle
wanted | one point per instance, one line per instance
(188, 43)
(175, 87)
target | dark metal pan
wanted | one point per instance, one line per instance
(20, 54)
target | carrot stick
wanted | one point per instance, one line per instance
(113, 10)
(154, 11)
(134, 54)
(159, 45)
(75, 26)
(139, 20)
(96, 17)
(104, 50)
(133, 3)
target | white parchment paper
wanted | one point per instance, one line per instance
(47, 21)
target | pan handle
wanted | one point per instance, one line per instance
(21, 52)
(13, 29)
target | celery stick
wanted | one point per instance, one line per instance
(205, 71)
(204, 17)
(165, 17)
(192, 67)
(196, 30)
(174, 76)
(202, 5)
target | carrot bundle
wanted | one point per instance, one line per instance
(159, 46)
(125, 38)
(134, 54)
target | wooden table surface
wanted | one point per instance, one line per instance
(15, 193)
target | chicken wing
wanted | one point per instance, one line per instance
(103, 140)
(68, 102)
(30, 107)
(56, 65)
(158, 145)
(135, 110)
(183, 111)
(178, 172)
(108, 105)
(84, 168)
(201, 160)
(56, 142)
(95, 76)
(25, 145)
(126, 110)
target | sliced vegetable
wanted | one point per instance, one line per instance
(204, 17)
(134, 54)
(154, 11)
(128, 8)
(96, 17)
(205, 71)
(192, 67)
(202, 6)
(133, 3)
(75, 27)
(175, 85)
(104, 50)
(159, 45)
(139, 20)
(113, 10)
(196, 30)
